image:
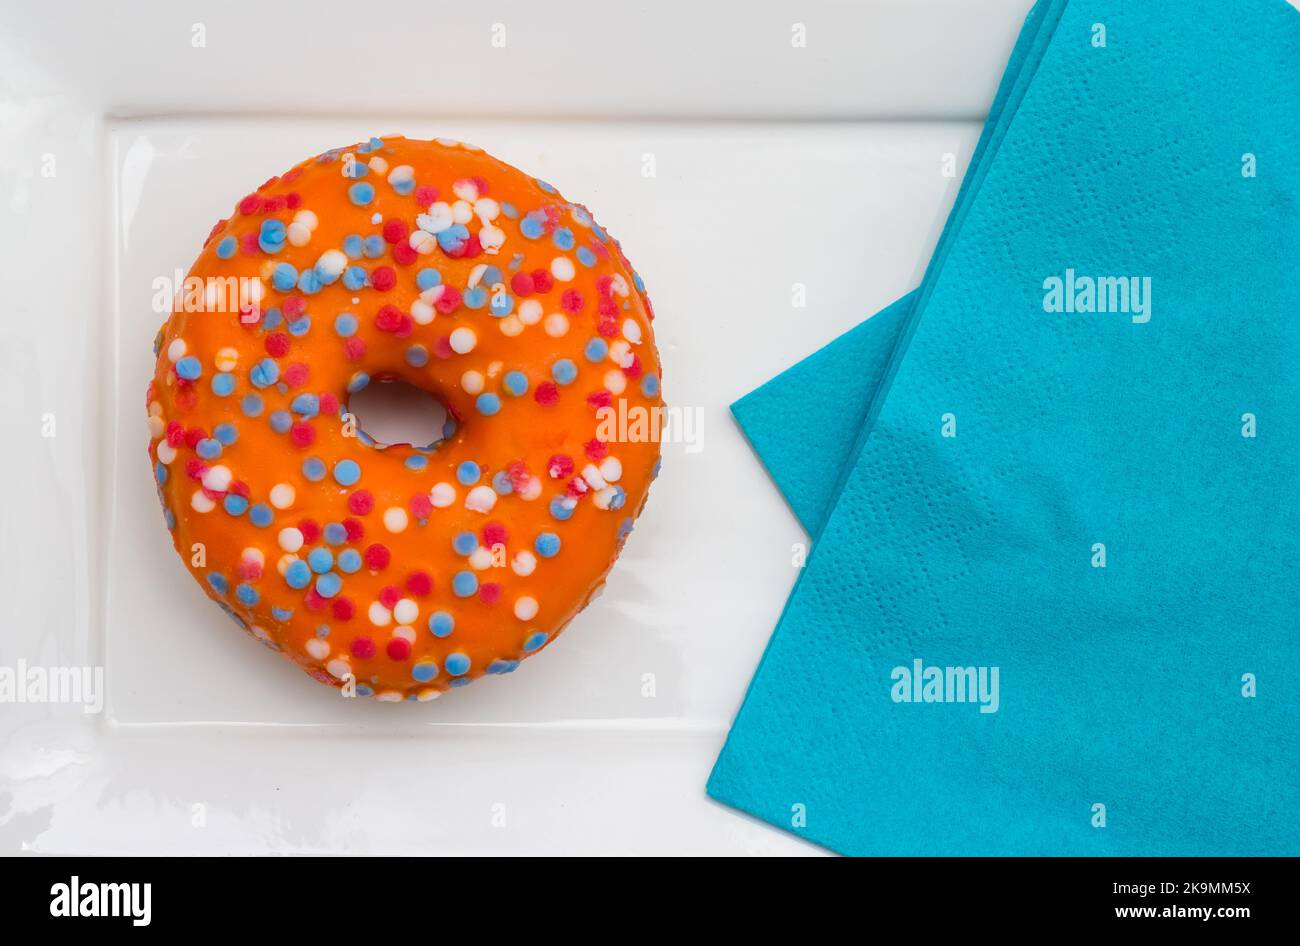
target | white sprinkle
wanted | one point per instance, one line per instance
(632, 331)
(471, 382)
(338, 668)
(526, 608)
(562, 268)
(557, 325)
(176, 350)
(290, 539)
(480, 559)
(530, 312)
(379, 615)
(166, 453)
(615, 381)
(524, 563)
(481, 499)
(463, 340)
(406, 611)
(282, 495)
(442, 495)
(317, 649)
(217, 478)
(395, 519)
(200, 502)
(611, 468)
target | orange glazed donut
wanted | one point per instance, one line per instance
(392, 570)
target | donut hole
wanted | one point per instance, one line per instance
(394, 412)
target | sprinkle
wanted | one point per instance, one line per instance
(525, 608)
(361, 193)
(534, 640)
(282, 495)
(457, 664)
(464, 584)
(347, 473)
(463, 340)
(441, 623)
(481, 499)
(395, 519)
(547, 544)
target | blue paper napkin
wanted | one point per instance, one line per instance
(1095, 511)
(837, 385)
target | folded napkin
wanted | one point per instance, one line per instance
(828, 395)
(1052, 609)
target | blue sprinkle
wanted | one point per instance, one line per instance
(596, 349)
(532, 225)
(650, 385)
(265, 373)
(564, 371)
(358, 381)
(424, 671)
(281, 614)
(562, 508)
(271, 236)
(464, 543)
(271, 319)
(510, 210)
(189, 368)
(464, 584)
(309, 282)
(457, 664)
(417, 356)
(356, 169)
(515, 383)
(488, 404)
(499, 666)
(235, 504)
(336, 533)
(327, 586)
(297, 575)
(475, 298)
(208, 448)
(218, 582)
(468, 473)
(441, 623)
(544, 186)
(160, 473)
(547, 544)
(251, 405)
(349, 561)
(352, 246)
(345, 324)
(320, 560)
(416, 462)
(586, 257)
(563, 238)
(427, 278)
(534, 641)
(361, 193)
(502, 304)
(281, 421)
(261, 515)
(354, 277)
(305, 405)
(226, 248)
(375, 246)
(501, 483)
(226, 433)
(314, 469)
(300, 326)
(347, 472)
(453, 238)
(247, 595)
(617, 498)
(284, 277)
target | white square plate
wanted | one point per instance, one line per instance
(124, 139)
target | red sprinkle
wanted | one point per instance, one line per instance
(490, 592)
(395, 230)
(559, 466)
(547, 393)
(571, 301)
(193, 435)
(403, 255)
(294, 306)
(295, 375)
(600, 398)
(419, 583)
(425, 195)
(313, 600)
(521, 284)
(343, 609)
(388, 318)
(175, 433)
(354, 348)
(494, 534)
(421, 506)
(389, 595)
(383, 278)
(596, 449)
(363, 648)
(377, 557)
(542, 281)
(399, 648)
(292, 200)
(277, 344)
(302, 434)
(361, 502)
(448, 301)
(310, 530)
(250, 204)
(355, 530)
(329, 403)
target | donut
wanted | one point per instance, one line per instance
(391, 570)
